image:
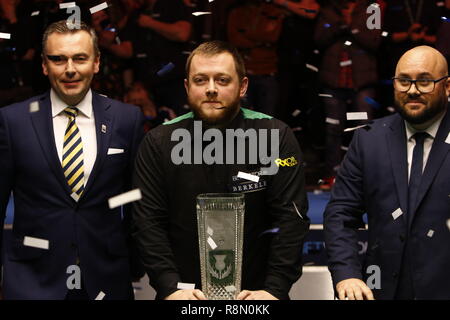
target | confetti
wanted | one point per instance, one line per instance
(248, 176)
(384, 34)
(327, 25)
(345, 63)
(124, 198)
(298, 212)
(274, 230)
(185, 286)
(98, 8)
(34, 106)
(325, 95)
(448, 139)
(316, 51)
(166, 69)
(200, 13)
(357, 116)
(296, 112)
(230, 288)
(35, 242)
(297, 129)
(430, 233)
(354, 128)
(186, 52)
(397, 213)
(348, 43)
(211, 243)
(5, 35)
(141, 55)
(332, 121)
(67, 5)
(391, 109)
(210, 231)
(100, 296)
(440, 3)
(448, 224)
(355, 31)
(344, 148)
(311, 67)
(35, 13)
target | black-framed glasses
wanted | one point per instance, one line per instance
(422, 85)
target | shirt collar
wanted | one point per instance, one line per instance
(431, 130)
(58, 106)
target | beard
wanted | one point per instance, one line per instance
(218, 118)
(431, 111)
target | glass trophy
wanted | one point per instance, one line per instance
(220, 218)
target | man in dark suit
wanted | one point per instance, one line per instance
(63, 154)
(397, 170)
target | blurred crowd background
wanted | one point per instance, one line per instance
(309, 61)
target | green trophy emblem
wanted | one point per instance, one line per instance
(221, 267)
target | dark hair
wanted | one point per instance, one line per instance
(216, 47)
(63, 27)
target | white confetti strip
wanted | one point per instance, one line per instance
(210, 231)
(185, 286)
(357, 116)
(325, 95)
(448, 224)
(397, 213)
(391, 109)
(344, 148)
(384, 34)
(332, 121)
(430, 233)
(448, 139)
(348, 43)
(200, 13)
(354, 128)
(230, 288)
(311, 67)
(297, 129)
(345, 63)
(5, 35)
(248, 176)
(316, 51)
(100, 295)
(34, 106)
(355, 31)
(67, 5)
(35, 242)
(35, 13)
(296, 112)
(211, 243)
(124, 198)
(440, 3)
(98, 8)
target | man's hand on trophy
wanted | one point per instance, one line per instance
(255, 295)
(186, 295)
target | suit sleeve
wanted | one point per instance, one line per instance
(6, 171)
(344, 215)
(151, 219)
(288, 205)
(136, 267)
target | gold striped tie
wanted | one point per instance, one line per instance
(72, 160)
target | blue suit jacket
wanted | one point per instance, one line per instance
(30, 167)
(374, 178)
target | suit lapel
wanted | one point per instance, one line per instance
(43, 126)
(103, 129)
(437, 155)
(396, 140)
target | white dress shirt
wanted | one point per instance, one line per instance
(428, 142)
(86, 124)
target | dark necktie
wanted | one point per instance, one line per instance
(416, 172)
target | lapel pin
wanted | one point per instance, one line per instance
(103, 128)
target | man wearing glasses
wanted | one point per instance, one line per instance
(397, 169)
